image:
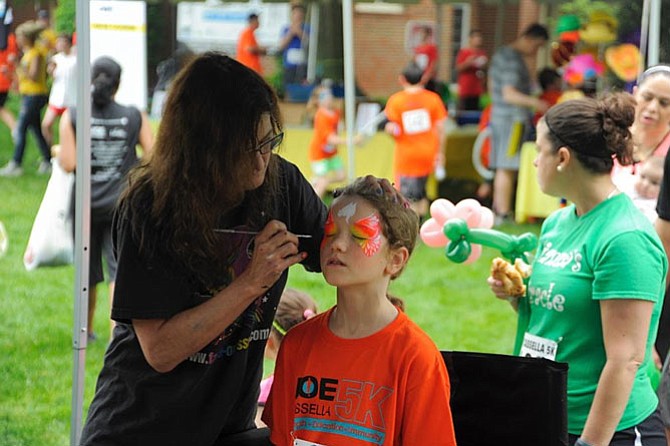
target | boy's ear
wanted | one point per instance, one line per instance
(397, 260)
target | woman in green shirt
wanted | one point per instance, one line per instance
(596, 291)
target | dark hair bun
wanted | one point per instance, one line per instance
(618, 114)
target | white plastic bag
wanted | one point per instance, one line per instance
(4, 240)
(50, 241)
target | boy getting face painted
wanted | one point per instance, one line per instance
(326, 390)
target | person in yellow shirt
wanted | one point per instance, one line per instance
(46, 41)
(32, 76)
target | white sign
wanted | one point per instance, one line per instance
(205, 26)
(119, 30)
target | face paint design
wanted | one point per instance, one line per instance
(368, 234)
(328, 228)
(347, 211)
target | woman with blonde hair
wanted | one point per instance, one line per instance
(32, 75)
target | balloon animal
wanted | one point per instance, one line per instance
(463, 229)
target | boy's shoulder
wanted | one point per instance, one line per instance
(418, 347)
(399, 98)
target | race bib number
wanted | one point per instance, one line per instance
(299, 442)
(416, 121)
(537, 347)
(422, 61)
(295, 56)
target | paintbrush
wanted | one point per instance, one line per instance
(239, 231)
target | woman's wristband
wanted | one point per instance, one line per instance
(581, 442)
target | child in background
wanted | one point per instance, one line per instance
(327, 165)
(62, 68)
(552, 89)
(294, 307)
(417, 123)
(361, 373)
(646, 187)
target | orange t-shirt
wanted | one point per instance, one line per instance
(325, 124)
(417, 144)
(244, 56)
(8, 59)
(325, 390)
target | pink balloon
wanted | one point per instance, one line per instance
(432, 235)
(470, 211)
(442, 210)
(486, 220)
(476, 251)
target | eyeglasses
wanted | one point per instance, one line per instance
(269, 144)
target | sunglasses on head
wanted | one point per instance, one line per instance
(269, 144)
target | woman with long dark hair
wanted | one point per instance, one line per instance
(204, 235)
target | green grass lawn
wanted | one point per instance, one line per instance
(451, 302)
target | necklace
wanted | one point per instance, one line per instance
(612, 193)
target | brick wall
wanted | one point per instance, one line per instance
(379, 39)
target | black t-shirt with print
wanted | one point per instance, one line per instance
(214, 392)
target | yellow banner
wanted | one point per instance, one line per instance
(111, 27)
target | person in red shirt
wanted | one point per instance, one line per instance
(417, 122)
(248, 51)
(425, 56)
(471, 63)
(8, 58)
(362, 373)
(552, 89)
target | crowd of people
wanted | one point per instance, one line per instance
(196, 308)
(44, 56)
(197, 238)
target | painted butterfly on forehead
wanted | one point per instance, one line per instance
(366, 232)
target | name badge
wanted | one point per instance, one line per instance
(295, 56)
(416, 121)
(537, 347)
(422, 61)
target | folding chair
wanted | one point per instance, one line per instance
(507, 400)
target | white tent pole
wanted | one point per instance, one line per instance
(82, 217)
(313, 41)
(654, 32)
(644, 32)
(349, 82)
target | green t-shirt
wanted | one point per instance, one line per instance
(611, 252)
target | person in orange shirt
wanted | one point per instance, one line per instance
(248, 51)
(326, 163)
(362, 373)
(417, 120)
